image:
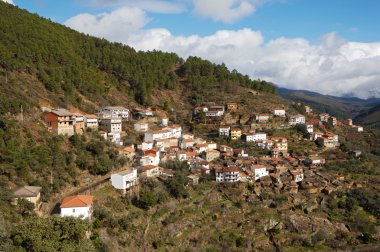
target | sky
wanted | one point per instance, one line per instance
(328, 46)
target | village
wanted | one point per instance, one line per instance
(163, 141)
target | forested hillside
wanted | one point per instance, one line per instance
(75, 68)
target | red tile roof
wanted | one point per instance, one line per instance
(77, 201)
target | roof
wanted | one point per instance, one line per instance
(159, 131)
(230, 169)
(125, 172)
(27, 191)
(115, 108)
(258, 166)
(77, 201)
(150, 167)
(212, 151)
(61, 112)
(92, 116)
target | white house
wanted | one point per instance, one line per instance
(146, 146)
(297, 175)
(91, 121)
(297, 119)
(150, 157)
(187, 136)
(78, 206)
(150, 171)
(175, 131)
(224, 131)
(114, 138)
(124, 179)
(164, 121)
(115, 111)
(157, 134)
(278, 112)
(187, 143)
(259, 171)
(309, 127)
(357, 128)
(256, 137)
(181, 155)
(227, 174)
(141, 126)
(262, 117)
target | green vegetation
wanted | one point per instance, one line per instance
(71, 65)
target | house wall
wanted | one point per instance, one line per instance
(77, 212)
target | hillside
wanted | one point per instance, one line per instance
(44, 64)
(370, 118)
(338, 106)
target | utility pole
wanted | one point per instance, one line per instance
(51, 179)
(21, 113)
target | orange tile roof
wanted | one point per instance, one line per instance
(77, 201)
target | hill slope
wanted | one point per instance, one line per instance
(44, 61)
(338, 106)
(370, 118)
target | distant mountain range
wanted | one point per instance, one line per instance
(366, 112)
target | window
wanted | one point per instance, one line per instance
(73, 210)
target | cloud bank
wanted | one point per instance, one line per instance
(8, 1)
(332, 66)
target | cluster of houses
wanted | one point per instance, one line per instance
(163, 142)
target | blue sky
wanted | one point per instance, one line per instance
(327, 46)
(355, 20)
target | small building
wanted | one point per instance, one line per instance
(227, 174)
(235, 133)
(255, 137)
(193, 179)
(259, 171)
(262, 118)
(115, 112)
(141, 126)
(78, 206)
(297, 119)
(329, 140)
(29, 193)
(91, 121)
(309, 127)
(314, 161)
(224, 130)
(297, 176)
(60, 122)
(333, 121)
(232, 106)
(111, 124)
(125, 179)
(358, 128)
(212, 155)
(278, 112)
(79, 124)
(150, 157)
(308, 110)
(348, 122)
(151, 171)
(164, 120)
(324, 117)
(280, 143)
(152, 135)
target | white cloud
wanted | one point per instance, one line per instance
(8, 1)
(157, 6)
(114, 26)
(332, 66)
(226, 11)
